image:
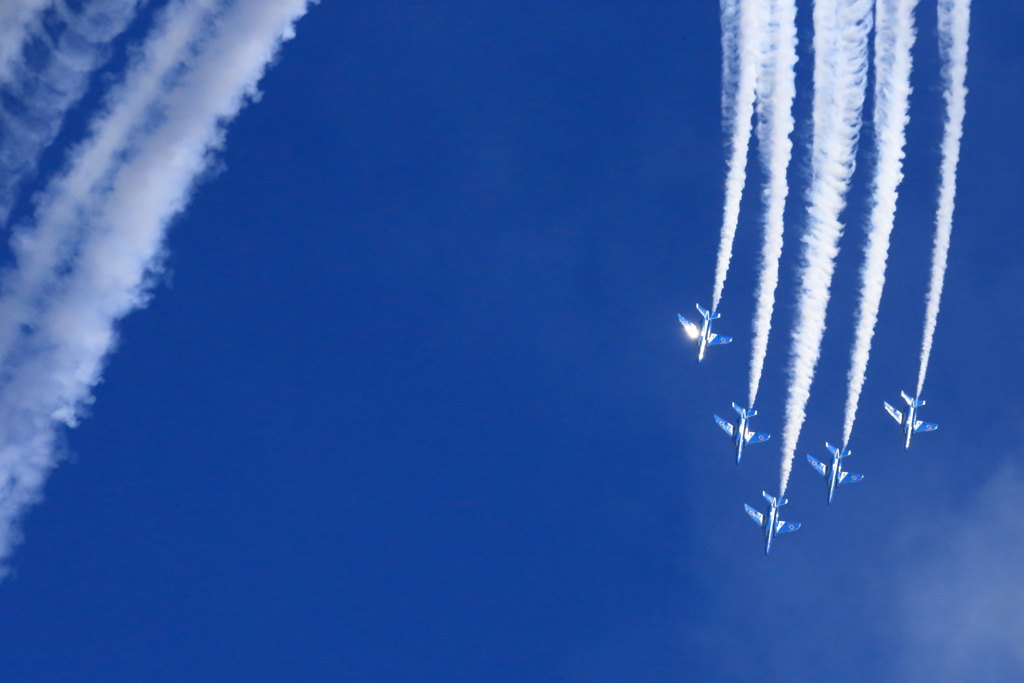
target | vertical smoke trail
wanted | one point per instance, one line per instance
(739, 73)
(776, 88)
(954, 30)
(894, 38)
(37, 90)
(841, 30)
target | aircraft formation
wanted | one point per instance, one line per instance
(856, 45)
(742, 435)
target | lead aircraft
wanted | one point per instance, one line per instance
(740, 434)
(770, 522)
(702, 335)
(834, 474)
(909, 422)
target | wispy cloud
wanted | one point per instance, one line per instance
(963, 598)
(87, 257)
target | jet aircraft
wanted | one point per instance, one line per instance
(834, 473)
(702, 336)
(740, 433)
(770, 522)
(909, 422)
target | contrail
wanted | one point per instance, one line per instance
(776, 88)
(894, 38)
(94, 245)
(739, 73)
(841, 30)
(36, 93)
(954, 31)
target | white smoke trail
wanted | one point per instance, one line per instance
(841, 29)
(95, 242)
(894, 39)
(36, 92)
(776, 88)
(740, 26)
(954, 31)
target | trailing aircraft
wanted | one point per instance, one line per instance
(834, 473)
(702, 336)
(770, 522)
(740, 433)
(909, 422)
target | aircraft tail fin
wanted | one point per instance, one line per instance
(770, 499)
(835, 451)
(911, 401)
(708, 314)
(743, 412)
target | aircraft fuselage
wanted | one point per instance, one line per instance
(769, 527)
(908, 426)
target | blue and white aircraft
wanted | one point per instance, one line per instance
(909, 422)
(740, 433)
(834, 474)
(771, 523)
(702, 336)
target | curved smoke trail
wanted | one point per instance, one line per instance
(739, 74)
(841, 29)
(954, 31)
(776, 88)
(894, 38)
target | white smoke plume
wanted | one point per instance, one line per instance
(36, 92)
(894, 39)
(776, 88)
(841, 29)
(954, 31)
(740, 24)
(88, 256)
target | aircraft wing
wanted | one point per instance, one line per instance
(719, 339)
(896, 415)
(785, 527)
(726, 427)
(755, 515)
(757, 437)
(848, 477)
(925, 427)
(816, 464)
(690, 328)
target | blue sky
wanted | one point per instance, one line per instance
(411, 403)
